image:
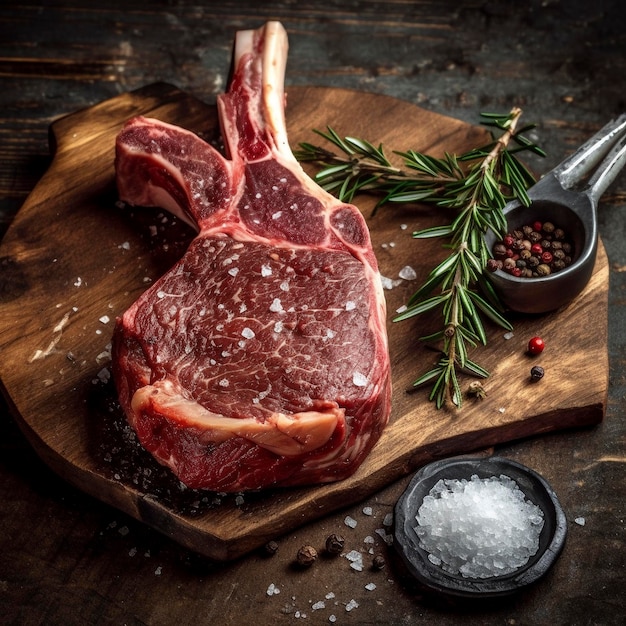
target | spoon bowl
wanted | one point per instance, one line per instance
(568, 197)
(575, 213)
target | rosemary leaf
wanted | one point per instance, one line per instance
(489, 311)
(435, 231)
(426, 377)
(422, 307)
(476, 369)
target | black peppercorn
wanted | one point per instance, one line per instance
(378, 562)
(536, 373)
(271, 547)
(334, 544)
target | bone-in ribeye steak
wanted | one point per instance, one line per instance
(261, 357)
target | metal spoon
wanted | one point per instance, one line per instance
(563, 197)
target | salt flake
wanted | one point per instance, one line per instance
(350, 522)
(389, 283)
(272, 590)
(276, 306)
(407, 273)
(358, 379)
(353, 604)
(248, 333)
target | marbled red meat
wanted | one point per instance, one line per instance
(260, 359)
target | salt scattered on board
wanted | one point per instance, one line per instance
(407, 273)
(479, 528)
(272, 590)
(353, 604)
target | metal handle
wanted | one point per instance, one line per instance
(580, 164)
(608, 170)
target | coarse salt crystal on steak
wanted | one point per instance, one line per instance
(260, 359)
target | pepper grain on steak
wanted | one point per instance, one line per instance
(260, 359)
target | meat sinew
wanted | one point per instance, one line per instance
(261, 357)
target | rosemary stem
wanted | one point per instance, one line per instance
(504, 139)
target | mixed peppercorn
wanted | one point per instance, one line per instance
(534, 250)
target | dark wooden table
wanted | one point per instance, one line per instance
(66, 558)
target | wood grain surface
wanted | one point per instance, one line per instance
(73, 260)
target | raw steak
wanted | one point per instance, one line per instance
(261, 358)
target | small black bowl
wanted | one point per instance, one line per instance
(535, 489)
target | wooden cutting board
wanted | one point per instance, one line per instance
(73, 260)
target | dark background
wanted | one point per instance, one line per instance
(65, 558)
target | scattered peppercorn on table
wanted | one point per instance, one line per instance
(70, 558)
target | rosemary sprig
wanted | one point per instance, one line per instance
(476, 186)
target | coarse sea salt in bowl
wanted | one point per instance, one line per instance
(478, 527)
